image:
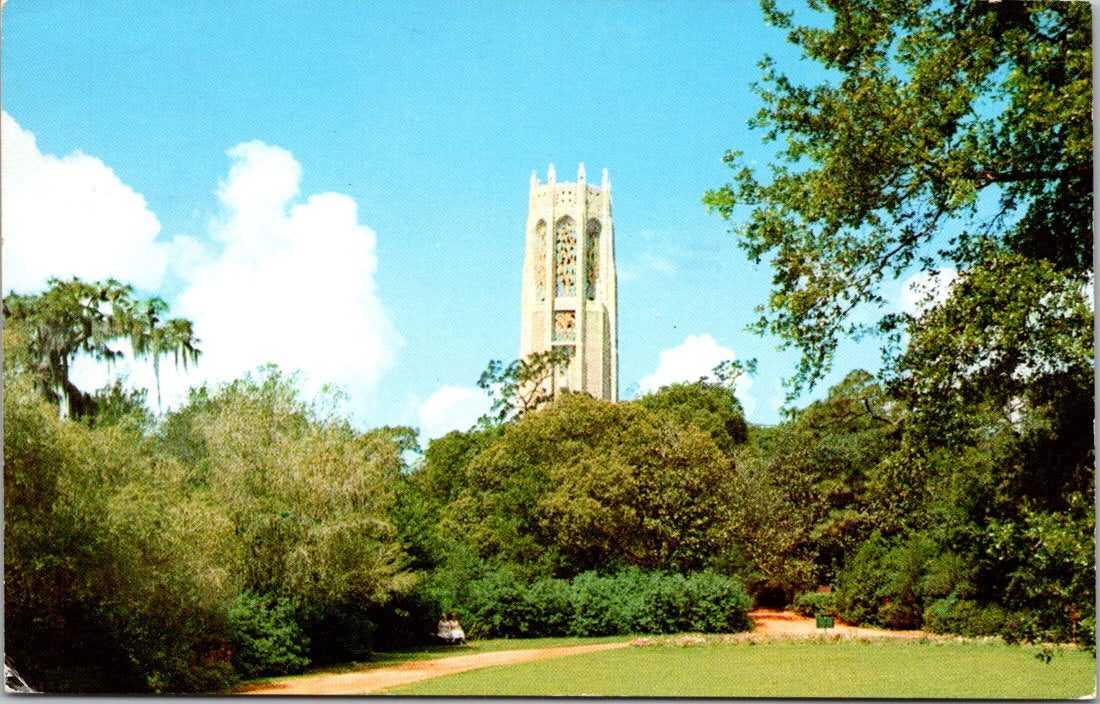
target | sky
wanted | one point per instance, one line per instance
(340, 187)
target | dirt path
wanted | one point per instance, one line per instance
(788, 623)
(768, 623)
(373, 681)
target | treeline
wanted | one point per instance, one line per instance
(863, 505)
(252, 532)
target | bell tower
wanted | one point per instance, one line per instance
(569, 290)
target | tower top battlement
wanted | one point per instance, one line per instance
(561, 196)
(551, 179)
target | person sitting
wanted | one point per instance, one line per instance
(443, 629)
(457, 634)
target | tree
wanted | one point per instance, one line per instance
(585, 484)
(950, 139)
(802, 488)
(115, 575)
(522, 385)
(74, 317)
(709, 407)
(956, 133)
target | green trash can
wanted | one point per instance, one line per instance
(824, 621)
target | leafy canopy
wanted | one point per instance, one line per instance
(947, 133)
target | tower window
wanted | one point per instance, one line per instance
(591, 258)
(539, 255)
(565, 257)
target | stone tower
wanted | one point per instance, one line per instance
(569, 293)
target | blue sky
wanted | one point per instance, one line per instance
(340, 186)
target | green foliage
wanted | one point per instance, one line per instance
(801, 488)
(308, 496)
(891, 583)
(142, 553)
(859, 583)
(547, 609)
(946, 136)
(492, 603)
(932, 111)
(710, 407)
(266, 637)
(115, 403)
(423, 493)
(966, 617)
(106, 553)
(582, 484)
(816, 604)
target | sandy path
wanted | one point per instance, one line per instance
(767, 623)
(373, 681)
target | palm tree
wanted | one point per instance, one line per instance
(74, 316)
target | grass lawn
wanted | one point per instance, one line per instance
(877, 669)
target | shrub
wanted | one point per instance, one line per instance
(816, 604)
(966, 617)
(859, 583)
(267, 639)
(495, 604)
(717, 604)
(606, 605)
(884, 584)
(547, 609)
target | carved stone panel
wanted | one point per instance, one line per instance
(565, 326)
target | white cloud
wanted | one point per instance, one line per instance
(294, 284)
(277, 282)
(451, 408)
(693, 359)
(926, 289)
(71, 216)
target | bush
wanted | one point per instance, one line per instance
(966, 617)
(717, 604)
(884, 584)
(547, 609)
(495, 604)
(267, 639)
(492, 607)
(859, 583)
(816, 604)
(606, 605)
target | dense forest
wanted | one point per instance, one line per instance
(252, 531)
